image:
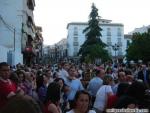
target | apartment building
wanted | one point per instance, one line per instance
(17, 29)
(112, 35)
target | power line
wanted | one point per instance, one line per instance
(9, 27)
(6, 25)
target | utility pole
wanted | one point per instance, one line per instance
(14, 39)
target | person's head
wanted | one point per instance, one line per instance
(107, 80)
(122, 89)
(100, 73)
(21, 104)
(14, 77)
(72, 71)
(21, 75)
(121, 76)
(41, 80)
(109, 70)
(60, 81)
(53, 93)
(65, 65)
(4, 70)
(29, 76)
(143, 67)
(49, 75)
(82, 101)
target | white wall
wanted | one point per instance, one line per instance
(14, 13)
(12, 16)
(3, 53)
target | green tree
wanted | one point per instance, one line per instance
(93, 47)
(140, 47)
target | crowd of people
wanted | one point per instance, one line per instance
(50, 89)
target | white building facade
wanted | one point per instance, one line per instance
(112, 34)
(16, 24)
(140, 30)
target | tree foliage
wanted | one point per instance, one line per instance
(140, 47)
(93, 47)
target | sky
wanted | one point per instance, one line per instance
(54, 15)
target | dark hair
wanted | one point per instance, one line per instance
(122, 89)
(53, 93)
(106, 79)
(57, 79)
(21, 72)
(137, 90)
(77, 95)
(3, 64)
(21, 104)
(39, 81)
(14, 77)
(97, 71)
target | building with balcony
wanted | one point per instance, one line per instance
(17, 29)
(38, 45)
(112, 33)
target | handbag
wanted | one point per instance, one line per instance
(106, 97)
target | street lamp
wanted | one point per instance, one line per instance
(56, 53)
(115, 48)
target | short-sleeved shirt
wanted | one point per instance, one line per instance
(101, 97)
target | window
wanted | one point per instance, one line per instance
(119, 42)
(75, 43)
(75, 39)
(120, 51)
(119, 32)
(75, 50)
(108, 40)
(108, 32)
(75, 31)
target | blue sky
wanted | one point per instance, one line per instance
(54, 15)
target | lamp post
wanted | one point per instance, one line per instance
(115, 47)
(55, 53)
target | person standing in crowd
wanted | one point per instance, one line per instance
(30, 84)
(122, 89)
(21, 104)
(102, 95)
(42, 84)
(121, 79)
(73, 83)
(64, 71)
(7, 88)
(95, 83)
(134, 97)
(52, 100)
(49, 75)
(82, 102)
(144, 75)
(64, 89)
